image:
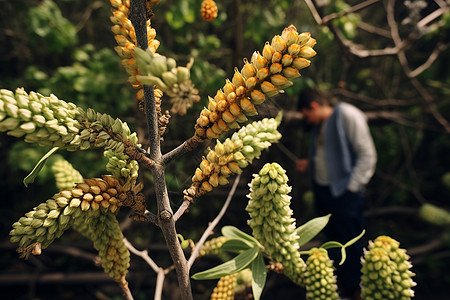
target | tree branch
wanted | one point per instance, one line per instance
(214, 223)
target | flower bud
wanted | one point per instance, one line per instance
(268, 51)
(257, 97)
(248, 70)
(278, 43)
(276, 68)
(238, 79)
(307, 52)
(290, 72)
(269, 89)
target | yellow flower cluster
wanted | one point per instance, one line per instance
(126, 39)
(208, 10)
(225, 288)
(264, 76)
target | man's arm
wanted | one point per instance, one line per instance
(358, 133)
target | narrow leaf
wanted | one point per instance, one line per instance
(30, 178)
(259, 275)
(232, 232)
(349, 243)
(235, 245)
(331, 244)
(310, 229)
(232, 266)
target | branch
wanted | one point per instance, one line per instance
(435, 14)
(375, 30)
(330, 17)
(431, 59)
(213, 224)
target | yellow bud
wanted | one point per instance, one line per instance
(105, 204)
(95, 205)
(95, 189)
(223, 180)
(212, 105)
(212, 156)
(228, 117)
(222, 125)
(219, 149)
(278, 43)
(276, 57)
(276, 68)
(307, 52)
(215, 128)
(311, 42)
(85, 205)
(241, 118)
(98, 198)
(84, 187)
(121, 40)
(279, 80)
(113, 208)
(213, 117)
(210, 134)
(235, 109)
(269, 89)
(258, 61)
(290, 35)
(220, 96)
(203, 121)
(300, 63)
(248, 70)
(228, 87)
(205, 167)
(88, 197)
(214, 180)
(231, 97)
(257, 97)
(290, 72)
(240, 91)
(268, 51)
(234, 167)
(206, 186)
(286, 60)
(294, 49)
(238, 79)
(251, 82)
(198, 176)
(303, 38)
(262, 73)
(248, 107)
(222, 104)
(225, 171)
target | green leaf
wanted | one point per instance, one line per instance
(232, 266)
(331, 244)
(30, 178)
(232, 232)
(259, 275)
(310, 229)
(349, 243)
(235, 245)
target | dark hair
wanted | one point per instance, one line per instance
(309, 95)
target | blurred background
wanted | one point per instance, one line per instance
(389, 58)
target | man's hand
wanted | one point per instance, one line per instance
(301, 165)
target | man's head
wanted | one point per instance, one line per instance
(314, 106)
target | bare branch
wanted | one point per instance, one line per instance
(213, 224)
(352, 9)
(314, 12)
(431, 59)
(375, 30)
(435, 14)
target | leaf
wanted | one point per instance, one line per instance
(349, 243)
(30, 178)
(232, 232)
(310, 229)
(259, 275)
(235, 245)
(232, 266)
(331, 244)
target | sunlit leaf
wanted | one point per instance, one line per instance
(259, 275)
(232, 232)
(235, 245)
(310, 229)
(30, 178)
(232, 266)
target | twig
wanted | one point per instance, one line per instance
(375, 30)
(431, 59)
(213, 224)
(183, 207)
(87, 14)
(352, 9)
(435, 14)
(142, 254)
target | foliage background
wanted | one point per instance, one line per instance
(67, 49)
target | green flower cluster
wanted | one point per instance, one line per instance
(49, 121)
(212, 247)
(234, 153)
(434, 214)
(320, 281)
(66, 176)
(271, 219)
(50, 219)
(102, 227)
(121, 166)
(386, 271)
(225, 288)
(45, 223)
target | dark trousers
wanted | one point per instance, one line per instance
(346, 222)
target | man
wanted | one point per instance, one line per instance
(342, 161)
